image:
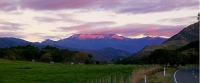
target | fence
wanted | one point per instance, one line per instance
(118, 78)
(112, 79)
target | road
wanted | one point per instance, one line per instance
(190, 75)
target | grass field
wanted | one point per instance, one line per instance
(37, 72)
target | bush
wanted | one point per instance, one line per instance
(46, 57)
(5, 57)
(12, 57)
(81, 57)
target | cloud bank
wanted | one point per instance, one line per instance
(58, 18)
(118, 6)
(125, 30)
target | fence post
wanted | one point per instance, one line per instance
(145, 79)
(115, 79)
(164, 71)
(100, 80)
(111, 81)
(121, 79)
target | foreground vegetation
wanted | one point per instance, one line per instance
(139, 75)
(158, 77)
(31, 72)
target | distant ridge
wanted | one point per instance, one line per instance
(10, 41)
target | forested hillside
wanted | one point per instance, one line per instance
(45, 54)
(187, 54)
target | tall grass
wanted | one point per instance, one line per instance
(139, 74)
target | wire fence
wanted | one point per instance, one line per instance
(118, 78)
(113, 79)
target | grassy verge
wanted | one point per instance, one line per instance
(160, 78)
(139, 75)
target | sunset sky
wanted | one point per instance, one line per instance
(37, 20)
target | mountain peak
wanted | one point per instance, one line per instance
(96, 36)
(48, 42)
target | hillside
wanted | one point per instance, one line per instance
(107, 54)
(186, 54)
(188, 34)
(191, 48)
(150, 48)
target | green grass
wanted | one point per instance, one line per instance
(37, 72)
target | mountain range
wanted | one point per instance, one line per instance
(101, 46)
(100, 41)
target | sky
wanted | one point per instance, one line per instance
(37, 20)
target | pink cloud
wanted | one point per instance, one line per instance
(7, 5)
(12, 34)
(46, 19)
(70, 18)
(150, 6)
(63, 18)
(181, 20)
(126, 30)
(119, 6)
(150, 30)
(56, 4)
(9, 26)
(45, 36)
(87, 26)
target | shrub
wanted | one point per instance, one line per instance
(12, 57)
(46, 57)
(5, 57)
(81, 57)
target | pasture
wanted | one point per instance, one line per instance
(38, 72)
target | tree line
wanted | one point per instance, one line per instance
(187, 54)
(46, 54)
